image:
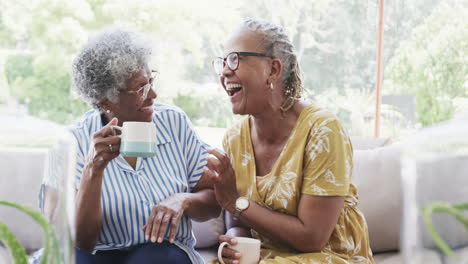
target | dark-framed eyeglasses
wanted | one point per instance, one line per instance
(143, 91)
(232, 60)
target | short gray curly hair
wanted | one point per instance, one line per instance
(278, 44)
(106, 61)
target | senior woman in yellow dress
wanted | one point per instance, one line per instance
(285, 173)
(128, 209)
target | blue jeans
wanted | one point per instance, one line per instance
(150, 253)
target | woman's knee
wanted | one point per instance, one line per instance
(83, 257)
(152, 253)
(101, 257)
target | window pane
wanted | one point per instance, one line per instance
(425, 45)
(426, 58)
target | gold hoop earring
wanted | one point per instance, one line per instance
(287, 104)
(289, 101)
(288, 92)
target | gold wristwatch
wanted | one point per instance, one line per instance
(242, 203)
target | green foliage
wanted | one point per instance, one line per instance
(206, 109)
(18, 67)
(433, 63)
(356, 111)
(52, 37)
(44, 84)
(344, 52)
(455, 210)
(335, 41)
(190, 103)
(17, 251)
(51, 255)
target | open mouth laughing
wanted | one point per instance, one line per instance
(233, 88)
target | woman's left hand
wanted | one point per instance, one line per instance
(225, 181)
(167, 212)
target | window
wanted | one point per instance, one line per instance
(424, 55)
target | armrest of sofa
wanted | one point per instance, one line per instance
(370, 143)
(20, 180)
(376, 174)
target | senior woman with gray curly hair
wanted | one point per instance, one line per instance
(129, 209)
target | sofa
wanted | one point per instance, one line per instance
(376, 175)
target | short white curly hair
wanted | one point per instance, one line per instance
(106, 61)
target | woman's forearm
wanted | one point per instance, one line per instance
(88, 209)
(202, 205)
(238, 231)
(287, 229)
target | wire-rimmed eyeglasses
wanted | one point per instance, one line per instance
(144, 90)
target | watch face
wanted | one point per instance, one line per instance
(242, 203)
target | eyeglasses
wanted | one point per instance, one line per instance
(143, 91)
(232, 60)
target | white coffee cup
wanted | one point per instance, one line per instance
(249, 248)
(138, 139)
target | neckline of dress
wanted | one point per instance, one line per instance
(250, 145)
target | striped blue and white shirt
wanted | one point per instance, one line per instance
(129, 194)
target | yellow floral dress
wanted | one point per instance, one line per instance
(316, 160)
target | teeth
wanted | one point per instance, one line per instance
(147, 107)
(232, 86)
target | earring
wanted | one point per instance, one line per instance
(287, 104)
(271, 86)
(288, 92)
(290, 99)
(108, 111)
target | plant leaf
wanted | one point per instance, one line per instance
(14, 246)
(52, 253)
(441, 207)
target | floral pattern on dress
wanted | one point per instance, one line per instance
(316, 160)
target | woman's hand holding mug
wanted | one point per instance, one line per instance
(105, 146)
(238, 250)
(138, 139)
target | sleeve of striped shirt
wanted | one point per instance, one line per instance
(80, 157)
(52, 173)
(55, 168)
(195, 153)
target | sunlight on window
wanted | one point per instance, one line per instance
(425, 56)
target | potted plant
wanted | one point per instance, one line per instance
(52, 252)
(456, 210)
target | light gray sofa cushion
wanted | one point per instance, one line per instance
(435, 184)
(426, 257)
(376, 175)
(462, 254)
(207, 233)
(5, 257)
(369, 143)
(209, 254)
(21, 176)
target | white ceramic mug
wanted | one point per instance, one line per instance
(249, 248)
(138, 139)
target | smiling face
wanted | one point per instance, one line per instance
(247, 86)
(131, 107)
